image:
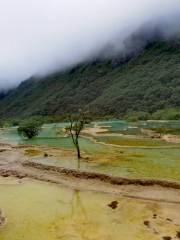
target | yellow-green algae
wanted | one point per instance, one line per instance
(40, 211)
(133, 142)
(159, 163)
(132, 157)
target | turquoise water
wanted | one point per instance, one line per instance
(135, 127)
(52, 135)
(132, 157)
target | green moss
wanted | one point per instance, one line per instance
(131, 142)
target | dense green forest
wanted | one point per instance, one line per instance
(146, 86)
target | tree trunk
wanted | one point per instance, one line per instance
(78, 155)
(78, 152)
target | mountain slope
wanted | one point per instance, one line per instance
(148, 82)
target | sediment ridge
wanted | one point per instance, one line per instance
(83, 175)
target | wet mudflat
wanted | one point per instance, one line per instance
(37, 210)
(89, 208)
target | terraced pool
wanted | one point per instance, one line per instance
(128, 156)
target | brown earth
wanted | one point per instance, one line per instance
(15, 162)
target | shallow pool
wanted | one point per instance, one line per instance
(41, 211)
(133, 157)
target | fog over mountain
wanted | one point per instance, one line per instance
(42, 36)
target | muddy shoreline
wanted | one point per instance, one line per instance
(149, 190)
(15, 163)
(103, 177)
(84, 175)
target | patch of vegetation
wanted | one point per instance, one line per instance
(137, 116)
(29, 129)
(147, 84)
(167, 114)
(131, 142)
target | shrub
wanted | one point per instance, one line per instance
(29, 129)
(137, 116)
(167, 114)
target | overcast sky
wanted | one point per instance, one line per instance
(41, 36)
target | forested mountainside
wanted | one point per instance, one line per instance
(148, 82)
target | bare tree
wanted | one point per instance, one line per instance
(77, 124)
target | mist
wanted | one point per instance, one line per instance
(39, 37)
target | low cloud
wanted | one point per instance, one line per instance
(42, 36)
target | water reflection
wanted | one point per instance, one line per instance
(39, 211)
